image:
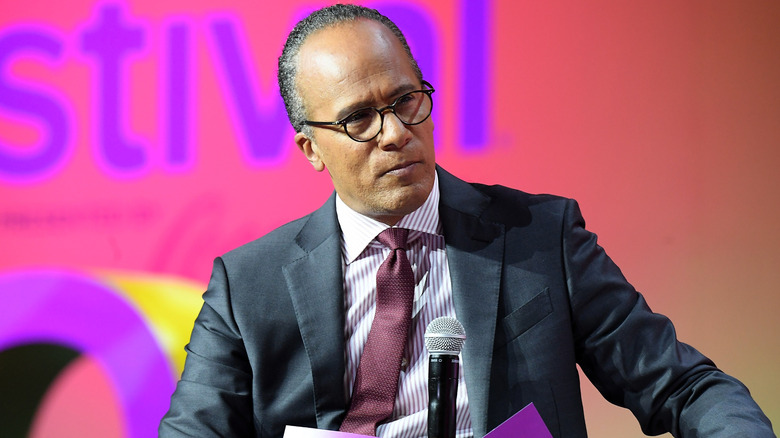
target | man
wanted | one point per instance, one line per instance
(287, 319)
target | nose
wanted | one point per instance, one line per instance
(394, 134)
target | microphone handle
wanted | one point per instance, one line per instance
(443, 372)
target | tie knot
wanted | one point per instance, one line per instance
(394, 238)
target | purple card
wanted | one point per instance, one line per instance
(525, 424)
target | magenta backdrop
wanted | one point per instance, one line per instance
(140, 139)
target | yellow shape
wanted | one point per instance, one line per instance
(168, 304)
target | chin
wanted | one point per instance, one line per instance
(410, 199)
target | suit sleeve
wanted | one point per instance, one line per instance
(213, 397)
(634, 359)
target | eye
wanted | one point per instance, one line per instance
(359, 116)
(408, 102)
(406, 98)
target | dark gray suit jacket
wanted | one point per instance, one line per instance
(534, 291)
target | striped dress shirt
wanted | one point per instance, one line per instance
(362, 255)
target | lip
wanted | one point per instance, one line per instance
(402, 168)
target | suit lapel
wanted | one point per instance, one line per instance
(315, 281)
(475, 250)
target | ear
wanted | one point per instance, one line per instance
(310, 150)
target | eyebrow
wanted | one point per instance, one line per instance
(397, 92)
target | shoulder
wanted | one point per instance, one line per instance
(512, 206)
(508, 196)
(496, 202)
(289, 241)
(273, 241)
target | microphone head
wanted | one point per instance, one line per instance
(445, 335)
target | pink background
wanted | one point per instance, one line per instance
(660, 117)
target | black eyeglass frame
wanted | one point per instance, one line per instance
(381, 111)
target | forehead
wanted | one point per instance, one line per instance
(356, 60)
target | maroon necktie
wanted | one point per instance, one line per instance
(376, 382)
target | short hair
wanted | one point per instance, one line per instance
(317, 20)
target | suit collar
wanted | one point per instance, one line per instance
(359, 230)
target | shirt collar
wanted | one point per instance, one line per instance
(358, 231)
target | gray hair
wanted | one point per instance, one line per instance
(317, 20)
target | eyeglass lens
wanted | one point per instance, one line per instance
(411, 108)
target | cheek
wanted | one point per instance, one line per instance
(330, 151)
(349, 164)
(355, 156)
(425, 130)
(426, 138)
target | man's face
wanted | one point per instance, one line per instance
(356, 65)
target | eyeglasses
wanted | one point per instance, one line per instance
(365, 124)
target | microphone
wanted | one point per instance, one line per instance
(444, 339)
